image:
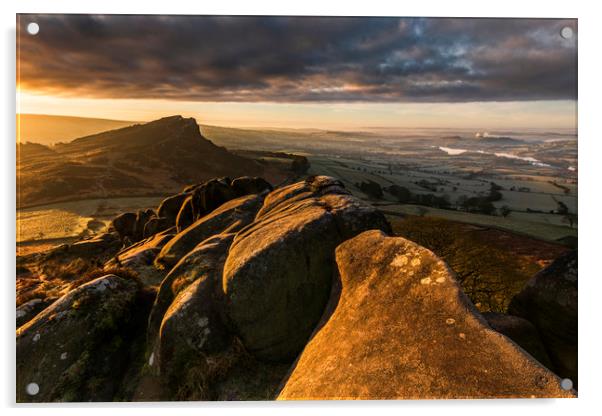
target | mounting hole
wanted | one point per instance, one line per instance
(566, 32)
(566, 384)
(33, 28)
(32, 389)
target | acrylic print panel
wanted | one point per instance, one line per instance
(295, 208)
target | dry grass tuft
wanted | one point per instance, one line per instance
(206, 370)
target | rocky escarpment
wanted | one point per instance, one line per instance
(145, 159)
(232, 290)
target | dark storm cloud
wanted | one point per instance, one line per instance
(294, 59)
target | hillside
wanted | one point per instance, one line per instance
(148, 159)
(48, 129)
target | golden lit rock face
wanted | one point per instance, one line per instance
(398, 326)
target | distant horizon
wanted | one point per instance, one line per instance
(507, 129)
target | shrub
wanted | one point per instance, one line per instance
(489, 274)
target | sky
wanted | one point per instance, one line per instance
(301, 72)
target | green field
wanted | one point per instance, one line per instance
(71, 219)
(539, 229)
(541, 198)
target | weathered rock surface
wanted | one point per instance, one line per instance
(229, 217)
(185, 216)
(155, 225)
(98, 248)
(170, 207)
(140, 258)
(142, 217)
(186, 339)
(210, 195)
(250, 185)
(125, 224)
(520, 331)
(76, 348)
(278, 274)
(398, 326)
(192, 327)
(27, 311)
(549, 301)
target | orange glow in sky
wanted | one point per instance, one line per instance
(492, 115)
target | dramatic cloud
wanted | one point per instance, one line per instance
(298, 59)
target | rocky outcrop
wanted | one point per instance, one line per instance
(205, 261)
(216, 294)
(158, 157)
(210, 195)
(142, 217)
(77, 348)
(278, 273)
(398, 326)
(125, 224)
(250, 185)
(131, 225)
(170, 207)
(140, 258)
(549, 301)
(229, 217)
(186, 320)
(155, 225)
(185, 216)
(97, 249)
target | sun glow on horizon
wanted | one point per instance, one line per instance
(559, 114)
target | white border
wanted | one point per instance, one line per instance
(590, 199)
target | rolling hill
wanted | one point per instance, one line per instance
(158, 157)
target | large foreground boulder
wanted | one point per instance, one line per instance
(549, 301)
(229, 217)
(278, 274)
(398, 326)
(77, 348)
